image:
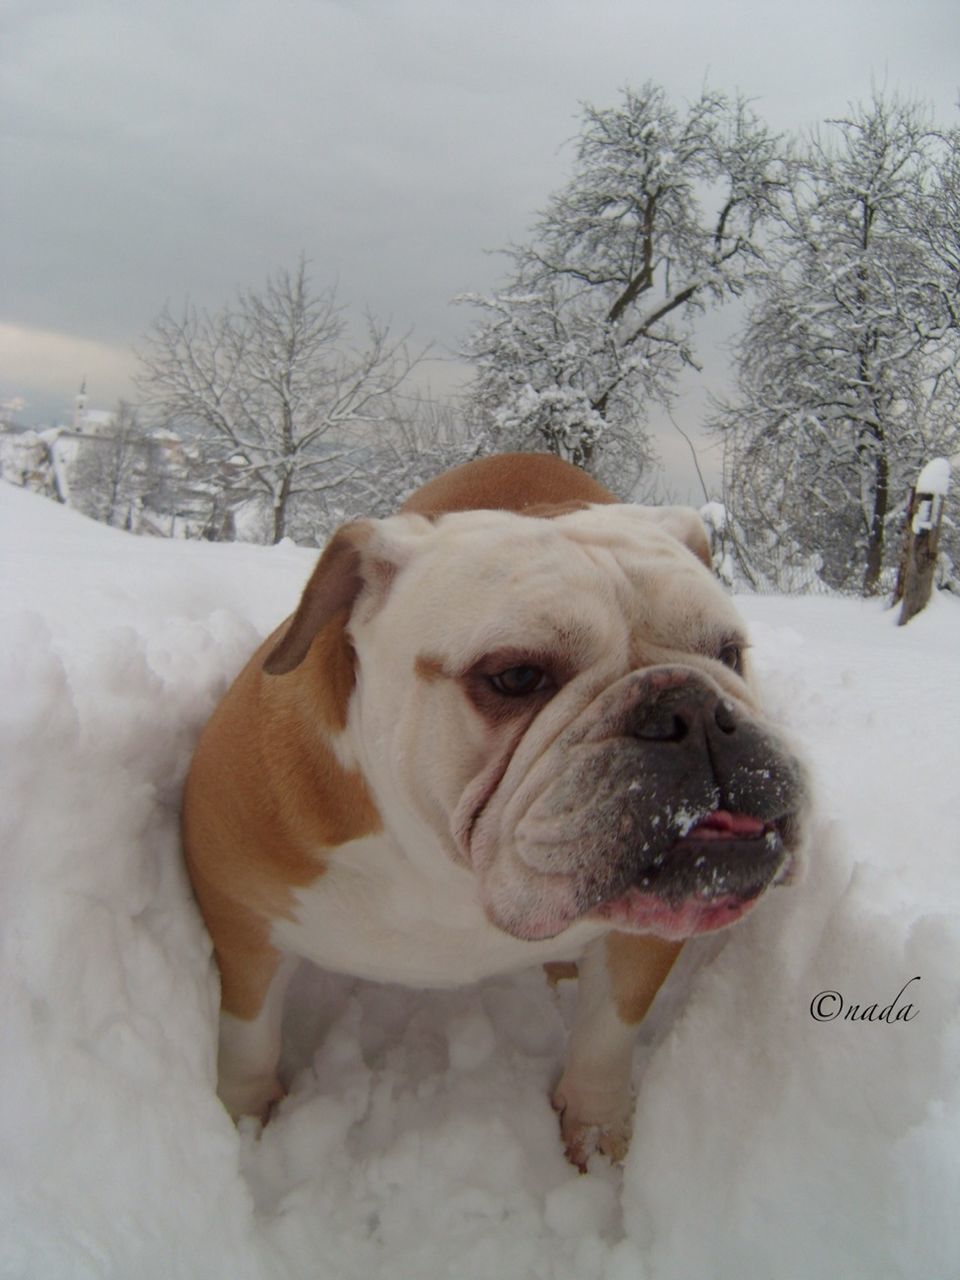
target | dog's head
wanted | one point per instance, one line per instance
(567, 703)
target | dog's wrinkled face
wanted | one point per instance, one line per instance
(567, 704)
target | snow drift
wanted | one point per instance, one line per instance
(417, 1140)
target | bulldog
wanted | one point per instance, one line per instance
(513, 724)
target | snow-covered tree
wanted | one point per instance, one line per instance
(938, 222)
(421, 438)
(595, 319)
(846, 366)
(273, 388)
(109, 472)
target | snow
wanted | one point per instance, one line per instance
(934, 478)
(417, 1139)
(714, 516)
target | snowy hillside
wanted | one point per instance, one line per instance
(418, 1142)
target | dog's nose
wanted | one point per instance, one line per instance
(680, 711)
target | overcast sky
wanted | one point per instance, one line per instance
(172, 149)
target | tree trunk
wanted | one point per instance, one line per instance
(281, 501)
(279, 521)
(876, 537)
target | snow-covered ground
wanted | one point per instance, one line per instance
(417, 1142)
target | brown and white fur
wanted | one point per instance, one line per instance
(368, 797)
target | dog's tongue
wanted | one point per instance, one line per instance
(723, 825)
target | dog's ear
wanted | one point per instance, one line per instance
(362, 555)
(684, 524)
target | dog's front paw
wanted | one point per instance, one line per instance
(586, 1134)
(254, 1095)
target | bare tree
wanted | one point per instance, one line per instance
(274, 390)
(423, 437)
(109, 473)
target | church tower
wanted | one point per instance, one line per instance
(80, 406)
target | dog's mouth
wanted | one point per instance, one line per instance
(709, 878)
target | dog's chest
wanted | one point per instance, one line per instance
(374, 915)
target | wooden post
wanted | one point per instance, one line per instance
(921, 538)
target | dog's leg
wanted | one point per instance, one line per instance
(250, 1049)
(254, 977)
(619, 977)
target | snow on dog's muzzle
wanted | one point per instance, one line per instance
(665, 806)
(707, 879)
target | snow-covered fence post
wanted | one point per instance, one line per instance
(921, 537)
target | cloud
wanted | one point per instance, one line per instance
(159, 152)
(45, 368)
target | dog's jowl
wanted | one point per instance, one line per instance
(513, 724)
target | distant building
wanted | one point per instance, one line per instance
(87, 421)
(105, 464)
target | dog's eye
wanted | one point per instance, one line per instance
(731, 655)
(520, 682)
